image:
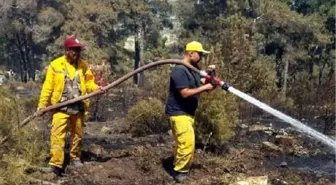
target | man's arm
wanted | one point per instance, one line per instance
(186, 92)
(181, 82)
(90, 81)
(47, 88)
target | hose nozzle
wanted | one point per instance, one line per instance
(225, 86)
(217, 80)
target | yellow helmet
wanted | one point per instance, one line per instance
(196, 46)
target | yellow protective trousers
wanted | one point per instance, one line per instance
(60, 123)
(184, 135)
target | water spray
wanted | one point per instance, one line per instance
(297, 124)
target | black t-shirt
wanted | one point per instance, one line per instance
(180, 78)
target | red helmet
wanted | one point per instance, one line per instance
(73, 42)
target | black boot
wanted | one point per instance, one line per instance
(180, 177)
(54, 169)
(58, 171)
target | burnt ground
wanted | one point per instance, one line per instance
(115, 157)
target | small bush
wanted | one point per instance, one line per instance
(147, 117)
(217, 113)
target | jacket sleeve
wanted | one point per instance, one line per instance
(47, 89)
(90, 81)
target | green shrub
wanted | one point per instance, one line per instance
(217, 113)
(303, 92)
(147, 117)
(262, 82)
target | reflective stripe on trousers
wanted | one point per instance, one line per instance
(183, 131)
(60, 122)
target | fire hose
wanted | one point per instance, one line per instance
(210, 77)
(111, 85)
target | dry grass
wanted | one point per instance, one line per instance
(25, 148)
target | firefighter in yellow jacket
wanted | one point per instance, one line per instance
(67, 77)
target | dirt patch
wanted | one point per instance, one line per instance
(117, 158)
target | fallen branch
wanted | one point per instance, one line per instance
(41, 182)
(207, 141)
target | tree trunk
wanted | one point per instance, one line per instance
(9, 57)
(23, 65)
(30, 68)
(279, 72)
(321, 74)
(330, 80)
(137, 56)
(141, 51)
(285, 78)
(311, 70)
(312, 62)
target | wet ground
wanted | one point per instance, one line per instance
(322, 165)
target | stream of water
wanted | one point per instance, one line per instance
(297, 124)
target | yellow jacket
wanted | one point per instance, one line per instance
(54, 83)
